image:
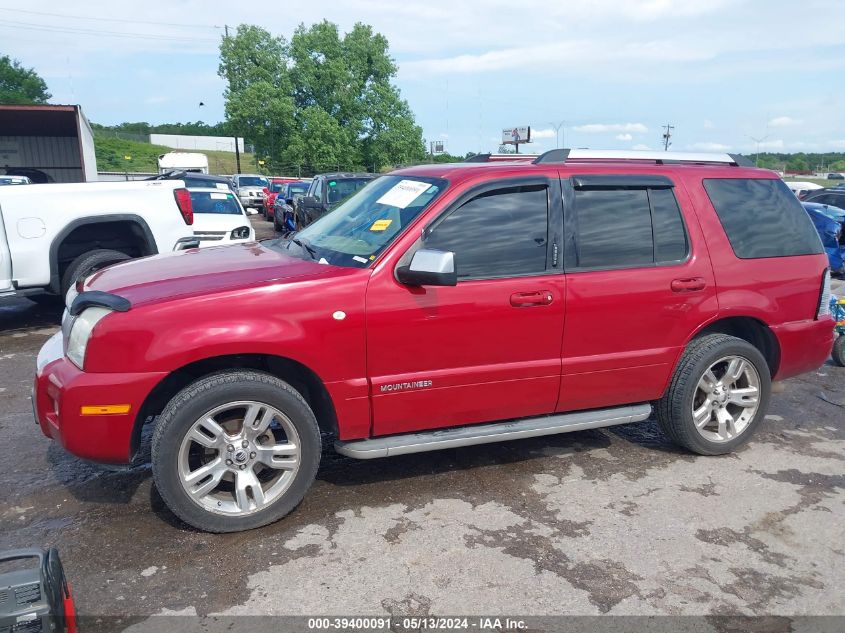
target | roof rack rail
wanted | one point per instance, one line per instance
(493, 158)
(661, 158)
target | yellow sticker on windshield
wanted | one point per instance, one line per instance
(380, 225)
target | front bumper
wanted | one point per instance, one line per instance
(61, 391)
(256, 202)
(804, 345)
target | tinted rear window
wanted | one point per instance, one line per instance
(614, 228)
(207, 202)
(762, 218)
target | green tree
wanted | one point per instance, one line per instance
(19, 85)
(322, 101)
(797, 163)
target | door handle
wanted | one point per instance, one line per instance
(690, 284)
(527, 299)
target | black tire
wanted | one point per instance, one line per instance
(674, 409)
(838, 353)
(89, 263)
(276, 226)
(200, 397)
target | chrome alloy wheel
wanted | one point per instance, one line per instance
(239, 458)
(726, 399)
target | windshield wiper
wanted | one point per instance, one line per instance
(305, 246)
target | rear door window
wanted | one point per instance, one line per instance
(614, 225)
(762, 218)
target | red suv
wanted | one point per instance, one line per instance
(443, 306)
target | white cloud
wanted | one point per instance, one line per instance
(444, 136)
(543, 133)
(157, 99)
(597, 128)
(784, 121)
(640, 146)
(708, 146)
(624, 137)
(775, 144)
(708, 124)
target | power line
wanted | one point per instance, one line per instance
(83, 31)
(81, 17)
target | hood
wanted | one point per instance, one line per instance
(205, 271)
(250, 189)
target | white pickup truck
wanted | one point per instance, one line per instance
(51, 235)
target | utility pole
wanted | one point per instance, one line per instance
(667, 135)
(758, 141)
(557, 127)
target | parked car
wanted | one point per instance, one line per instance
(15, 180)
(830, 223)
(836, 176)
(283, 207)
(443, 306)
(250, 189)
(325, 193)
(802, 188)
(47, 247)
(276, 186)
(219, 218)
(832, 196)
(197, 180)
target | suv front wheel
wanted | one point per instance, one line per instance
(718, 395)
(235, 450)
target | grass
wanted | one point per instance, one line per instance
(111, 154)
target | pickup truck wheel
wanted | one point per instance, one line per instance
(838, 353)
(89, 263)
(235, 450)
(718, 395)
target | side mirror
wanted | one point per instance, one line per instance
(308, 201)
(289, 202)
(266, 191)
(429, 267)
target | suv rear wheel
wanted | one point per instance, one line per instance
(235, 450)
(718, 395)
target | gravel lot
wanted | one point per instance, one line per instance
(599, 522)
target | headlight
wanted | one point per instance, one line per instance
(72, 293)
(240, 233)
(80, 333)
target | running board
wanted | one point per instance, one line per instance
(488, 433)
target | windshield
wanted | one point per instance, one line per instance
(252, 181)
(276, 187)
(363, 226)
(342, 189)
(296, 189)
(214, 202)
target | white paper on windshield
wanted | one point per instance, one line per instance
(403, 193)
(218, 196)
(221, 185)
(363, 260)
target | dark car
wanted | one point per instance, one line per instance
(834, 197)
(194, 180)
(325, 193)
(283, 218)
(830, 225)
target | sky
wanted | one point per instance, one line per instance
(729, 75)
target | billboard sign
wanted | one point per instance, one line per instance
(515, 135)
